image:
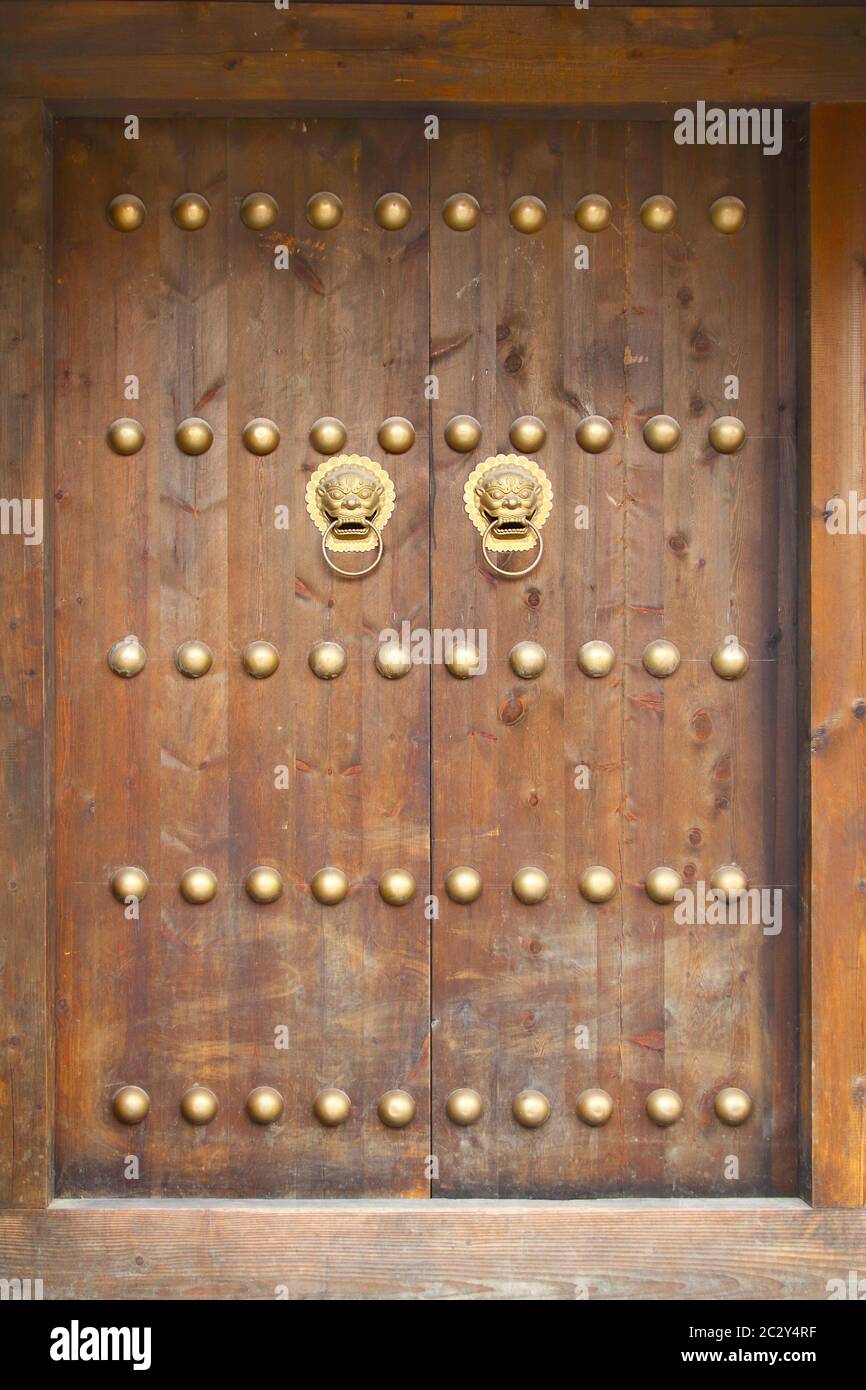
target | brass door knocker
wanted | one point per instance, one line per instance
(508, 499)
(351, 499)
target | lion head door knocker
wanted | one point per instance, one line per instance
(509, 498)
(351, 500)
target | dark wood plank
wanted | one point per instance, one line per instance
(838, 617)
(443, 1250)
(107, 523)
(26, 691)
(358, 1008)
(131, 51)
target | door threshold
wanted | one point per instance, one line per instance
(422, 1204)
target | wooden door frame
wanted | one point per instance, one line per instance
(163, 57)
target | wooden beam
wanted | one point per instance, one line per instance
(838, 689)
(25, 1050)
(441, 55)
(436, 1249)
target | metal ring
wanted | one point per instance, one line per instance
(513, 574)
(353, 574)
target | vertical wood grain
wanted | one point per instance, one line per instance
(838, 669)
(107, 753)
(690, 771)
(358, 1005)
(26, 692)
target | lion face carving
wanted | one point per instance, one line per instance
(351, 497)
(508, 496)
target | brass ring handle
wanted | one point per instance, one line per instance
(354, 574)
(514, 574)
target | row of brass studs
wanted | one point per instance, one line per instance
(597, 884)
(393, 660)
(594, 1107)
(393, 211)
(260, 436)
(264, 884)
(396, 1109)
(595, 434)
(463, 884)
(396, 435)
(264, 1106)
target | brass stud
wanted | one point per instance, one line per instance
(594, 1106)
(463, 884)
(527, 660)
(658, 213)
(728, 214)
(393, 661)
(596, 659)
(727, 434)
(125, 436)
(329, 886)
(661, 658)
(190, 211)
(193, 659)
(728, 880)
(528, 434)
(332, 1107)
(396, 434)
(594, 434)
(127, 657)
(462, 660)
(324, 211)
(530, 885)
(129, 882)
(593, 213)
(396, 1109)
(265, 1106)
(461, 212)
(392, 211)
(464, 1106)
(125, 212)
(259, 211)
(327, 660)
(193, 436)
(198, 1105)
(261, 436)
(733, 1106)
(397, 887)
(260, 659)
(463, 434)
(661, 434)
(597, 884)
(730, 660)
(527, 214)
(131, 1105)
(198, 885)
(664, 1107)
(327, 434)
(663, 884)
(264, 884)
(531, 1109)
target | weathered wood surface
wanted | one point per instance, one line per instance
(837, 967)
(26, 1050)
(446, 54)
(436, 1250)
(226, 771)
(691, 771)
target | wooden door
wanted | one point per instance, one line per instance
(165, 772)
(628, 771)
(227, 771)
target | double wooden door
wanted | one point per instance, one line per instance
(193, 314)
